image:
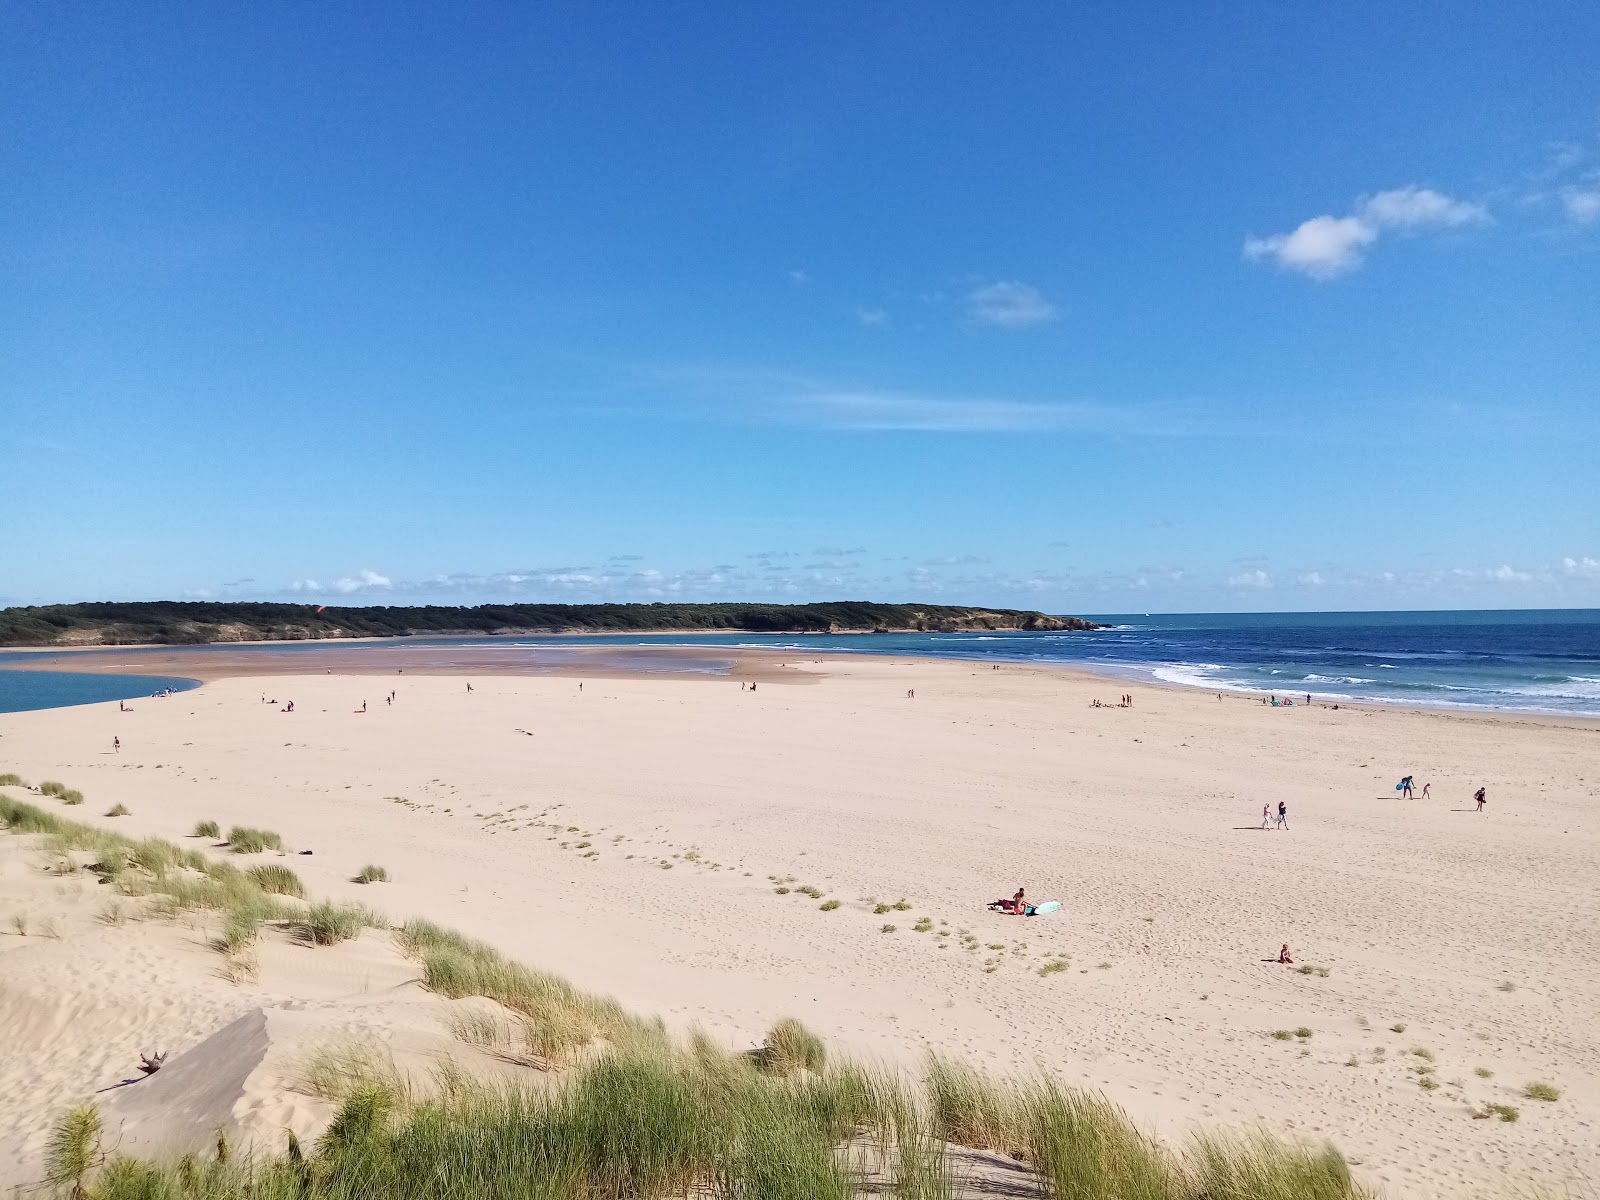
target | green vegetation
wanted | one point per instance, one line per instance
(1303, 1031)
(52, 787)
(1505, 1112)
(828, 905)
(326, 923)
(197, 623)
(1483, 1072)
(1055, 966)
(790, 1047)
(74, 1148)
(207, 829)
(244, 840)
(11, 779)
(371, 874)
(116, 810)
(1542, 1091)
(277, 880)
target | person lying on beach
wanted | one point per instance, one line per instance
(1016, 906)
(1283, 955)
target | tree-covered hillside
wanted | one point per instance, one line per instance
(192, 623)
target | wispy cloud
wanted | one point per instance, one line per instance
(754, 395)
(1008, 304)
(872, 318)
(1328, 246)
(1250, 579)
(349, 585)
(1581, 204)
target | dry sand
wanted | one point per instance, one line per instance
(631, 836)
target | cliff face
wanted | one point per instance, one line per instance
(180, 624)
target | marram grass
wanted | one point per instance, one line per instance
(635, 1115)
(653, 1121)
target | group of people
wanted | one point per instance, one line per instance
(1283, 816)
(1123, 701)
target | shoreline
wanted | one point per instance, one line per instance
(748, 662)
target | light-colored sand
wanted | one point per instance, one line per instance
(625, 836)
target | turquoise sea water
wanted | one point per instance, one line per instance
(1532, 661)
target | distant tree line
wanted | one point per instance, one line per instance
(179, 623)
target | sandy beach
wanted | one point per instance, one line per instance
(633, 835)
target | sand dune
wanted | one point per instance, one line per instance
(632, 837)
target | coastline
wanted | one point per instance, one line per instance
(465, 656)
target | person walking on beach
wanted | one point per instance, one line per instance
(1405, 788)
(1427, 790)
(1480, 798)
(116, 745)
(1266, 815)
(1283, 815)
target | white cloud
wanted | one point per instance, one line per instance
(798, 277)
(1312, 579)
(1322, 247)
(362, 581)
(1327, 246)
(1582, 204)
(1414, 207)
(1581, 568)
(1251, 579)
(872, 317)
(1507, 574)
(1009, 305)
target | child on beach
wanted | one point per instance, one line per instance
(1266, 815)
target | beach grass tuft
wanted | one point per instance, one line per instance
(206, 829)
(52, 787)
(372, 874)
(11, 779)
(1542, 1091)
(74, 1148)
(277, 880)
(74, 796)
(828, 905)
(327, 923)
(242, 839)
(789, 1048)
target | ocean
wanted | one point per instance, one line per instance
(1543, 661)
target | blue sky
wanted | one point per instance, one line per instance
(1177, 308)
